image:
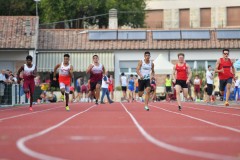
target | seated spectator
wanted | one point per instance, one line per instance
(52, 97)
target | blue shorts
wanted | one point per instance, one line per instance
(131, 88)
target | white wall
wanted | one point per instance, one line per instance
(204, 54)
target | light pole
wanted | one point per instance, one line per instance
(36, 31)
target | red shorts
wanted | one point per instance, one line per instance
(29, 85)
(84, 89)
(110, 88)
(197, 88)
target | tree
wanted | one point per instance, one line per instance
(129, 12)
(17, 7)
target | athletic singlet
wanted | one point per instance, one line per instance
(146, 69)
(181, 72)
(28, 72)
(96, 73)
(168, 82)
(226, 65)
(64, 74)
(131, 83)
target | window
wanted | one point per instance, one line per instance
(154, 19)
(205, 17)
(184, 18)
(233, 16)
(124, 70)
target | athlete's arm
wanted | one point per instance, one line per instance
(174, 73)
(55, 70)
(89, 68)
(189, 73)
(71, 71)
(103, 68)
(217, 65)
(35, 72)
(233, 69)
(18, 73)
(153, 71)
(138, 69)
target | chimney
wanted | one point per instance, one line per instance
(113, 19)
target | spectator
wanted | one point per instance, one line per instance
(136, 87)
(237, 89)
(105, 83)
(52, 97)
(2, 84)
(168, 86)
(197, 86)
(131, 88)
(123, 81)
(111, 86)
(73, 94)
(78, 87)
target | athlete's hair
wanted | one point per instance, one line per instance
(147, 52)
(95, 56)
(181, 54)
(66, 55)
(131, 75)
(209, 66)
(225, 50)
(29, 58)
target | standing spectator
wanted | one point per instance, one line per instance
(37, 81)
(209, 77)
(123, 82)
(168, 86)
(226, 72)
(78, 87)
(105, 83)
(136, 87)
(2, 84)
(111, 86)
(236, 89)
(197, 86)
(131, 88)
(84, 92)
(153, 88)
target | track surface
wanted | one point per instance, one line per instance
(123, 131)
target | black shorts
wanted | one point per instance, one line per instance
(142, 84)
(168, 89)
(124, 88)
(223, 83)
(209, 89)
(93, 85)
(181, 83)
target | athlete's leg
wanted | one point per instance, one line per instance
(178, 89)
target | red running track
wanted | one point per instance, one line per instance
(120, 131)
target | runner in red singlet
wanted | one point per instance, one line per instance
(226, 72)
(65, 76)
(181, 77)
(96, 71)
(29, 73)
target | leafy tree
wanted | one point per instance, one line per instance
(17, 7)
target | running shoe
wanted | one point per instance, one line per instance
(179, 108)
(30, 109)
(96, 102)
(102, 102)
(226, 103)
(62, 97)
(146, 108)
(67, 108)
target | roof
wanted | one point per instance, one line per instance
(13, 32)
(76, 39)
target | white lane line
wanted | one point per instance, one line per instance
(177, 149)
(20, 115)
(198, 119)
(205, 110)
(21, 142)
(21, 107)
(215, 105)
